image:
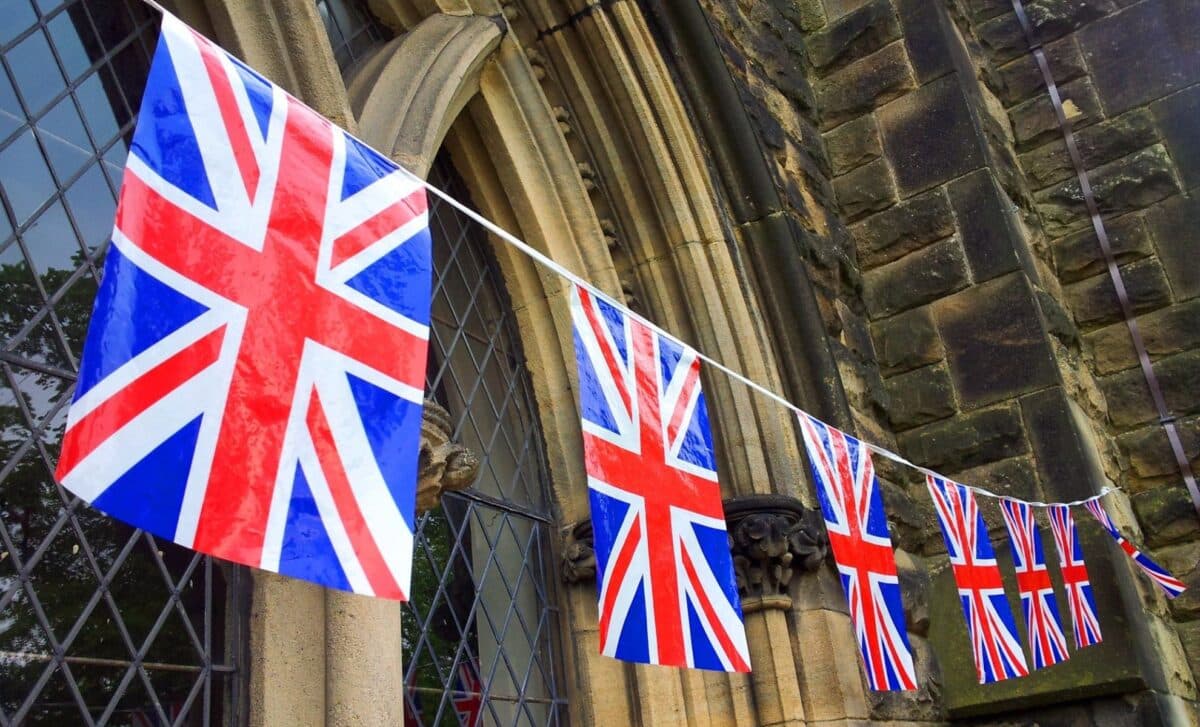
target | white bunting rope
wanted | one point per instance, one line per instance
(550, 264)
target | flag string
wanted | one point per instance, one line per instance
(564, 272)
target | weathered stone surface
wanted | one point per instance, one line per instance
(1176, 116)
(928, 36)
(1034, 121)
(853, 144)
(1167, 515)
(906, 341)
(865, 190)
(985, 9)
(1079, 256)
(1164, 332)
(987, 226)
(1016, 476)
(1022, 79)
(968, 440)
(1149, 451)
(864, 84)
(1127, 184)
(853, 36)
(1129, 401)
(909, 225)
(1126, 77)
(919, 397)
(994, 341)
(930, 135)
(1050, 19)
(1177, 237)
(1063, 448)
(1094, 300)
(1098, 145)
(917, 278)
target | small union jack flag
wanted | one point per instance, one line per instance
(1046, 639)
(667, 590)
(858, 535)
(1075, 576)
(467, 696)
(993, 633)
(251, 383)
(1169, 584)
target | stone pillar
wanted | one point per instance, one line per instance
(365, 632)
(771, 536)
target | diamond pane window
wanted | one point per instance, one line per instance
(352, 29)
(480, 633)
(99, 623)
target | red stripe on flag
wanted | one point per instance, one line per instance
(374, 229)
(239, 140)
(617, 577)
(735, 658)
(118, 410)
(685, 394)
(361, 539)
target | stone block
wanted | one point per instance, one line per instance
(1149, 451)
(995, 342)
(1127, 184)
(920, 277)
(865, 190)
(1128, 397)
(855, 334)
(906, 341)
(1167, 515)
(1063, 448)
(987, 226)
(854, 35)
(1034, 121)
(1015, 476)
(1127, 69)
(863, 85)
(1176, 116)
(907, 226)
(1051, 19)
(985, 9)
(1177, 237)
(853, 144)
(920, 396)
(1094, 300)
(928, 36)
(1021, 78)
(1098, 145)
(1078, 255)
(968, 440)
(931, 135)
(1166, 331)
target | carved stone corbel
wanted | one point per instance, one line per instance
(578, 553)
(442, 465)
(771, 536)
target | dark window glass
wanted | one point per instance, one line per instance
(99, 622)
(480, 630)
(352, 30)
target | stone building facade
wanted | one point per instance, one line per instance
(866, 205)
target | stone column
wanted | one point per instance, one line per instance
(771, 536)
(364, 674)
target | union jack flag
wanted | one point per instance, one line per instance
(1075, 576)
(1046, 640)
(1170, 585)
(993, 634)
(251, 383)
(667, 590)
(858, 535)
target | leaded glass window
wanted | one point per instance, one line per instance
(100, 623)
(352, 29)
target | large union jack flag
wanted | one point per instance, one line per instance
(990, 623)
(667, 590)
(1047, 643)
(858, 535)
(1169, 584)
(251, 383)
(1075, 576)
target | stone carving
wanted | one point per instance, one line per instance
(771, 536)
(578, 554)
(443, 465)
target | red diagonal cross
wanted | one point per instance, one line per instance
(853, 551)
(661, 487)
(285, 308)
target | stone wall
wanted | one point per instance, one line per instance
(964, 292)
